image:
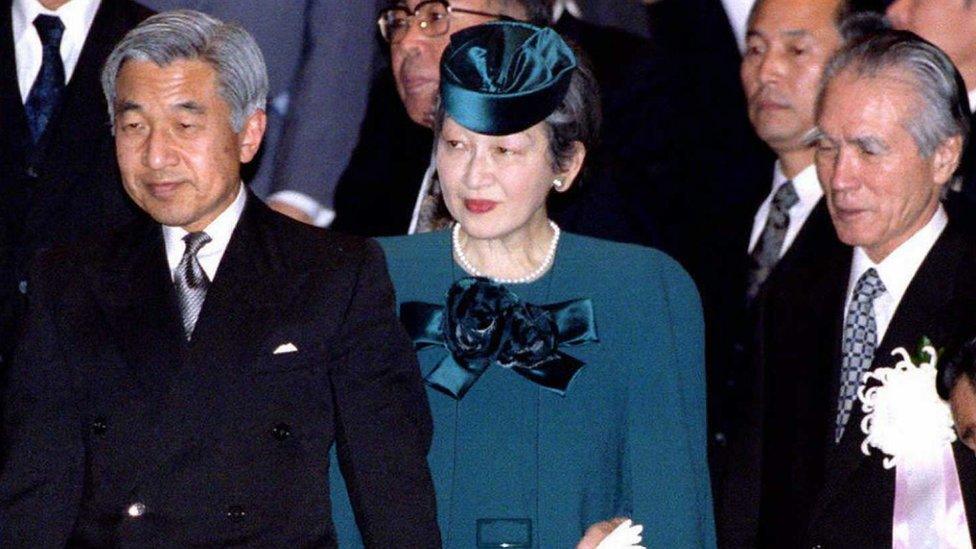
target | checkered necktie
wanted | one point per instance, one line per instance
(860, 341)
(191, 281)
(770, 244)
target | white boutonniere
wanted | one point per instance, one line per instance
(904, 415)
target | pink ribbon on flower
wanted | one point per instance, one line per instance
(929, 509)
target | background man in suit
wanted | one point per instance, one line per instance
(950, 25)
(149, 369)
(787, 47)
(319, 55)
(59, 180)
(893, 123)
(378, 193)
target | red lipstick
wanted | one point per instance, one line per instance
(480, 206)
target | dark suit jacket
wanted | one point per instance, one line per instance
(222, 440)
(813, 491)
(377, 191)
(961, 204)
(68, 186)
(737, 373)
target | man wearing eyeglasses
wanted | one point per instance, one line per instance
(418, 32)
(378, 193)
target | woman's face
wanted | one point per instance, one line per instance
(495, 186)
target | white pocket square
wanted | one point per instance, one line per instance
(285, 348)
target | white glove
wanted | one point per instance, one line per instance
(625, 536)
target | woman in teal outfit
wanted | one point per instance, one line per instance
(565, 373)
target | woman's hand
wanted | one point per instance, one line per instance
(599, 532)
(963, 402)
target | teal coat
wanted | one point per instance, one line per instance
(518, 464)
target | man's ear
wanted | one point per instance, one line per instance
(946, 159)
(252, 133)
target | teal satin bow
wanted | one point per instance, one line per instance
(520, 344)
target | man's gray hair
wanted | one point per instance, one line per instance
(943, 112)
(242, 78)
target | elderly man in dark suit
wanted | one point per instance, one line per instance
(788, 229)
(319, 55)
(181, 381)
(59, 182)
(893, 124)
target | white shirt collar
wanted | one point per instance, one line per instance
(738, 14)
(560, 6)
(806, 183)
(77, 17)
(898, 269)
(219, 230)
(809, 192)
(972, 101)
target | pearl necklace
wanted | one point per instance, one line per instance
(534, 275)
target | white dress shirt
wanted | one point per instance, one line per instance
(896, 271)
(77, 17)
(809, 192)
(219, 230)
(972, 101)
(738, 13)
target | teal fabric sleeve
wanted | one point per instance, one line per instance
(688, 366)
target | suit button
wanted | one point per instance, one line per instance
(31, 172)
(99, 426)
(281, 432)
(136, 510)
(236, 512)
(719, 438)
(22, 287)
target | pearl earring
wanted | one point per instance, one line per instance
(557, 183)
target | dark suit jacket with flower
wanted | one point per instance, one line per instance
(628, 438)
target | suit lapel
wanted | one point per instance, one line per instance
(816, 232)
(136, 294)
(923, 311)
(250, 289)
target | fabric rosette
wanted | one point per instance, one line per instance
(485, 323)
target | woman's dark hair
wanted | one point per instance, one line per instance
(962, 362)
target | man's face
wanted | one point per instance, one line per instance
(949, 24)
(416, 58)
(787, 45)
(179, 156)
(880, 190)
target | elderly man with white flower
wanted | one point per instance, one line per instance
(858, 448)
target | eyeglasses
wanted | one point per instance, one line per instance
(433, 16)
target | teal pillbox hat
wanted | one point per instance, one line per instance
(504, 77)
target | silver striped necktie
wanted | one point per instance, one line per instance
(191, 281)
